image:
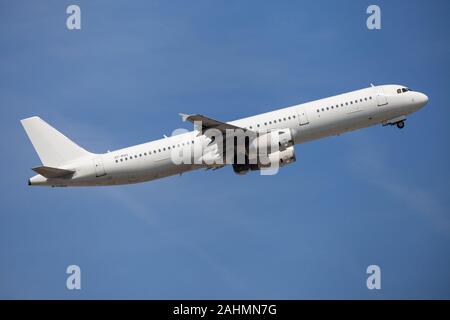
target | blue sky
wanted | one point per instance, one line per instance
(374, 196)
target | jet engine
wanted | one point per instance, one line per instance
(278, 158)
(283, 158)
(274, 140)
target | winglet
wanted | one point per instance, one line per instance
(184, 116)
(372, 85)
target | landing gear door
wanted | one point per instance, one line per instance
(381, 98)
(99, 168)
(302, 117)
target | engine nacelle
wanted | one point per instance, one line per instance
(280, 139)
(278, 158)
(241, 169)
(283, 158)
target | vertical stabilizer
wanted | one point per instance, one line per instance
(54, 148)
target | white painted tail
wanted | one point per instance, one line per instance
(54, 148)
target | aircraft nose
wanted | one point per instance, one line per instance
(422, 99)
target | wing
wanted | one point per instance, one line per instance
(208, 123)
(227, 144)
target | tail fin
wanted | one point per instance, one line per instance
(53, 148)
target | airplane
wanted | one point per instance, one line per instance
(64, 163)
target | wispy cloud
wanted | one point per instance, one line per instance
(369, 162)
(141, 211)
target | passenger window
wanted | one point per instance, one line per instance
(293, 117)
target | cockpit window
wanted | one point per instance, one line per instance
(403, 90)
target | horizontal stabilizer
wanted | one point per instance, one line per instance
(50, 172)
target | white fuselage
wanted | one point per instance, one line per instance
(308, 121)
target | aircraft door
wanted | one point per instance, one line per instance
(302, 117)
(99, 168)
(381, 98)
